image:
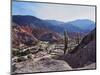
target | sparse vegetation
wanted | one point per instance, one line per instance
(37, 49)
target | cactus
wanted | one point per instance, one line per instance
(65, 41)
(77, 38)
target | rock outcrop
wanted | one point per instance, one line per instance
(83, 54)
(43, 64)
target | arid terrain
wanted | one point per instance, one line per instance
(41, 49)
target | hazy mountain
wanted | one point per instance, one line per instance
(80, 25)
(65, 26)
(53, 25)
(71, 28)
(55, 22)
(83, 24)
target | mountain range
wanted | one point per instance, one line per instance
(80, 25)
(83, 24)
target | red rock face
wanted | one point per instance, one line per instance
(26, 29)
(28, 35)
(22, 35)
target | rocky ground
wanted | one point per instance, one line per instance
(45, 57)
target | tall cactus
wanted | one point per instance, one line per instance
(65, 41)
(78, 38)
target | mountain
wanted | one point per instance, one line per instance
(65, 26)
(35, 22)
(22, 35)
(26, 35)
(80, 25)
(55, 22)
(29, 20)
(71, 28)
(83, 24)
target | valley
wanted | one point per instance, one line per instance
(41, 46)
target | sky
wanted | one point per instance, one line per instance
(58, 12)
